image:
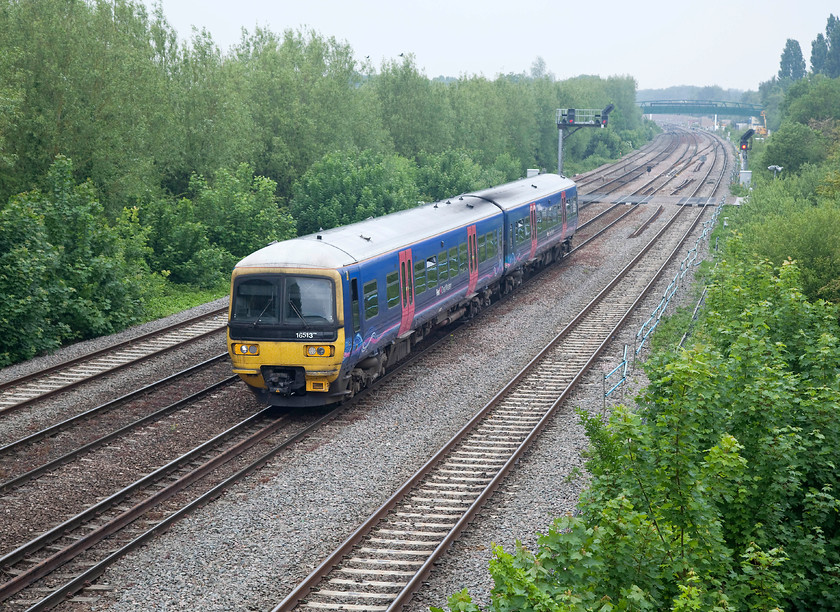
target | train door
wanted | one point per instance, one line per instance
(472, 258)
(533, 229)
(563, 215)
(406, 290)
(353, 318)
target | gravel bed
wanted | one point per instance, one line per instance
(75, 401)
(248, 549)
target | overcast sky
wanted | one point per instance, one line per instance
(731, 43)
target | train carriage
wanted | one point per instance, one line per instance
(314, 319)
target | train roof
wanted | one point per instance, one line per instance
(349, 244)
(511, 195)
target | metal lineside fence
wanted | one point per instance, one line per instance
(618, 375)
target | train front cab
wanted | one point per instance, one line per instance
(286, 334)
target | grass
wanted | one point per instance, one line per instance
(172, 298)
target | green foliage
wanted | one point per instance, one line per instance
(199, 241)
(793, 146)
(792, 64)
(719, 492)
(813, 99)
(447, 174)
(27, 264)
(240, 210)
(348, 186)
(70, 274)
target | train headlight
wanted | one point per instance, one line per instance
(320, 350)
(246, 349)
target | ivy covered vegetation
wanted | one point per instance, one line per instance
(136, 167)
(720, 489)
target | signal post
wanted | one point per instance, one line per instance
(744, 146)
(570, 120)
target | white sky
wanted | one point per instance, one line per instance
(731, 43)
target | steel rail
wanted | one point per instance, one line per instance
(65, 424)
(17, 481)
(304, 588)
(12, 388)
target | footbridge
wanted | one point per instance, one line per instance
(699, 107)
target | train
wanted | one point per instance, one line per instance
(315, 319)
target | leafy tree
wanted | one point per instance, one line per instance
(87, 90)
(350, 186)
(414, 110)
(792, 64)
(832, 37)
(198, 240)
(819, 54)
(240, 210)
(181, 250)
(793, 146)
(303, 94)
(814, 99)
(100, 269)
(67, 272)
(27, 265)
(446, 175)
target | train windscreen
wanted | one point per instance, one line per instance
(288, 301)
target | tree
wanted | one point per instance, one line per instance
(349, 186)
(832, 37)
(27, 266)
(88, 91)
(819, 54)
(813, 100)
(793, 146)
(447, 174)
(792, 64)
(414, 110)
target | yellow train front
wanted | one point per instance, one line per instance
(286, 329)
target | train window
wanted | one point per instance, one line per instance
(453, 262)
(392, 289)
(443, 266)
(482, 248)
(539, 221)
(431, 273)
(308, 300)
(491, 245)
(371, 299)
(420, 277)
(462, 257)
(523, 231)
(254, 300)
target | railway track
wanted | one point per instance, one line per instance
(380, 566)
(89, 541)
(20, 462)
(76, 583)
(384, 562)
(40, 385)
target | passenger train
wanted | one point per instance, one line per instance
(314, 319)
